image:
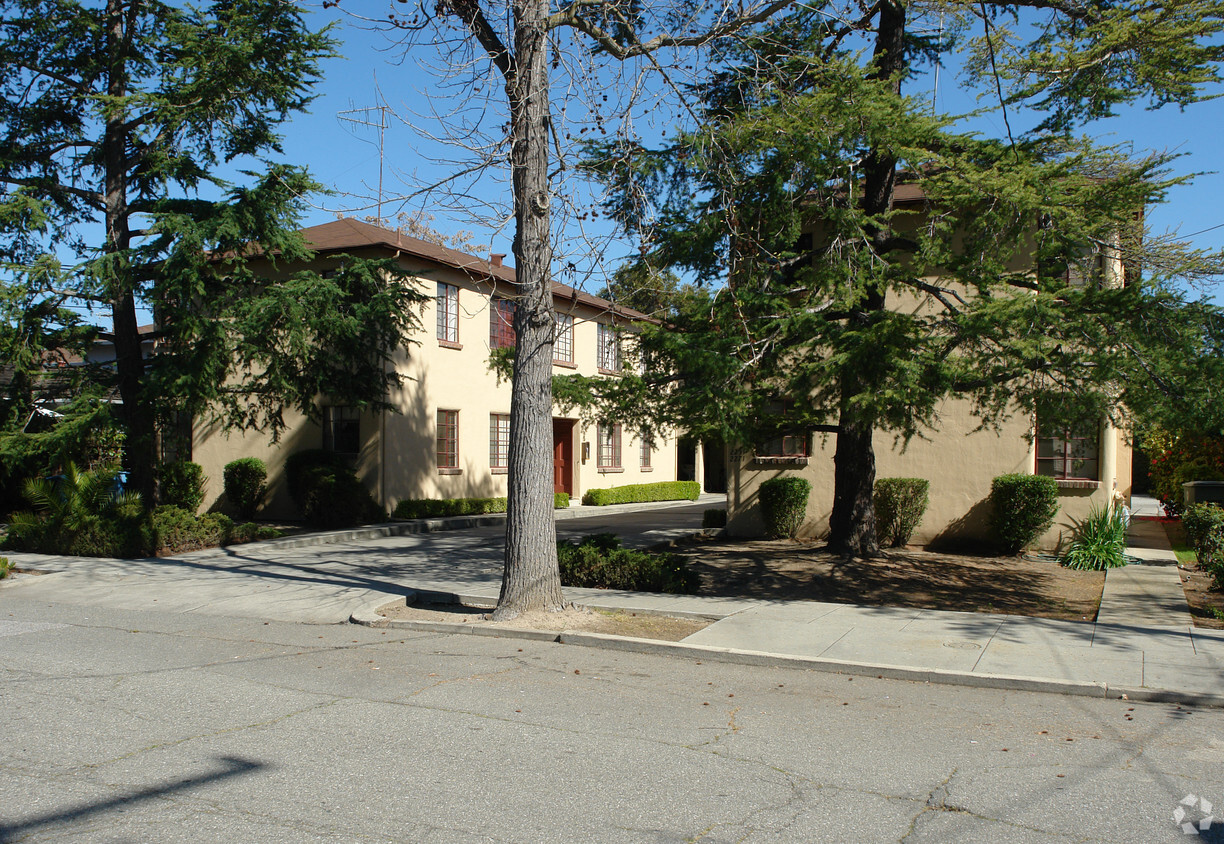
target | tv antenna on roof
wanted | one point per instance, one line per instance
(366, 117)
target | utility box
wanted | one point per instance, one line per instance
(1203, 492)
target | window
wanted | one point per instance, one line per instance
(609, 348)
(448, 313)
(1068, 455)
(342, 430)
(647, 451)
(784, 445)
(448, 440)
(499, 441)
(563, 339)
(608, 438)
(176, 437)
(501, 324)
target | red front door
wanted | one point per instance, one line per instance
(563, 456)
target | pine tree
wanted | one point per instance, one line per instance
(865, 259)
(121, 124)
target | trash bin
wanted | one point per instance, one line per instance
(1203, 492)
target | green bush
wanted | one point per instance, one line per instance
(783, 506)
(251, 532)
(182, 484)
(180, 530)
(6, 567)
(899, 506)
(637, 493)
(598, 562)
(327, 492)
(714, 518)
(440, 508)
(244, 484)
(1204, 525)
(1023, 508)
(1099, 542)
(81, 514)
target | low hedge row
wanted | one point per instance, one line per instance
(598, 562)
(438, 508)
(637, 493)
(1204, 525)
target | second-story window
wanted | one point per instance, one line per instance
(448, 313)
(609, 348)
(501, 324)
(563, 339)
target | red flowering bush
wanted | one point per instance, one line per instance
(1176, 459)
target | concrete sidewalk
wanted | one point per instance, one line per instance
(1142, 645)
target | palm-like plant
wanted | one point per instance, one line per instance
(64, 503)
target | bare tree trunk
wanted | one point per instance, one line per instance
(531, 579)
(129, 360)
(852, 529)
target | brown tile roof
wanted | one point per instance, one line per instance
(347, 233)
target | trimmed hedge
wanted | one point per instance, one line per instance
(439, 508)
(899, 506)
(714, 518)
(1204, 525)
(638, 493)
(1023, 508)
(244, 484)
(327, 492)
(182, 484)
(598, 562)
(783, 506)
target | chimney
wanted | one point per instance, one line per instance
(495, 258)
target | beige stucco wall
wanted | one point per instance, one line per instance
(398, 456)
(960, 463)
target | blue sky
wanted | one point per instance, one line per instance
(346, 158)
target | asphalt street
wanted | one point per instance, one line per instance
(126, 725)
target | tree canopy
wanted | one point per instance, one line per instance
(135, 177)
(864, 259)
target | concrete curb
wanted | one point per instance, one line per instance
(369, 617)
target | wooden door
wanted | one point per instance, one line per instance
(563, 456)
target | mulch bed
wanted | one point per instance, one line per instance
(796, 570)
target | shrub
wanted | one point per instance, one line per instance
(6, 567)
(1099, 542)
(180, 530)
(598, 562)
(783, 506)
(638, 493)
(1177, 458)
(714, 519)
(82, 514)
(251, 532)
(1024, 507)
(1204, 525)
(899, 506)
(439, 508)
(182, 484)
(327, 492)
(244, 484)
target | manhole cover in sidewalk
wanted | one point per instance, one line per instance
(963, 646)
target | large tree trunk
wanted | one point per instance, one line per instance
(531, 580)
(140, 453)
(852, 523)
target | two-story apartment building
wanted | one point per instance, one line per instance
(450, 436)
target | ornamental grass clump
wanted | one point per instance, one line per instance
(1099, 542)
(1023, 508)
(783, 506)
(899, 506)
